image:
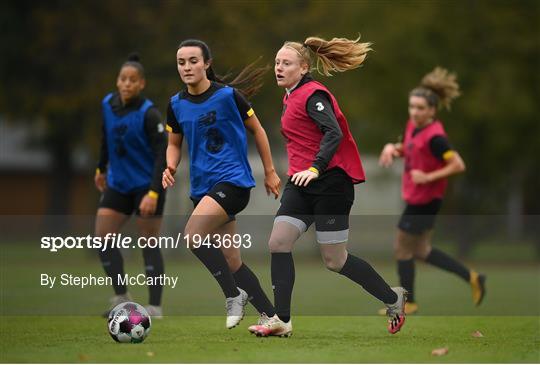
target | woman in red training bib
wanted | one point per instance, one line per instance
(324, 165)
(429, 161)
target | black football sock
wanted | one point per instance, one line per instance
(247, 280)
(282, 282)
(153, 263)
(215, 262)
(113, 264)
(438, 258)
(362, 273)
(406, 271)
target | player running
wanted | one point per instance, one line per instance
(129, 177)
(324, 165)
(429, 161)
(214, 117)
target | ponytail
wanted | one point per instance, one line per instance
(335, 55)
(249, 81)
(439, 88)
(134, 60)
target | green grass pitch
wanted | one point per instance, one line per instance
(316, 339)
(334, 319)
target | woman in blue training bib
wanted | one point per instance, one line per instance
(131, 160)
(214, 117)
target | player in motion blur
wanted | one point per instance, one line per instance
(324, 165)
(214, 117)
(429, 161)
(129, 176)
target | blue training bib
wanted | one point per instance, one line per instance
(131, 161)
(217, 141)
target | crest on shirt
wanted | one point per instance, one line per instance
(207, 119)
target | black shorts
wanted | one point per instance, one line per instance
(128, 203)
(233, 199)
(326, 201)
(418, 218)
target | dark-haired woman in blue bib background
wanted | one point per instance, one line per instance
(128, 175)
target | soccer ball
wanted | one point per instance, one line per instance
(129, 322)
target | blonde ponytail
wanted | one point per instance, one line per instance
(439, 88)
(335, 55)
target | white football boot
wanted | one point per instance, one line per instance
(396, 311)
(154, 311)
(115, 300)
(235, 308)
(273, 327)
(263, 319)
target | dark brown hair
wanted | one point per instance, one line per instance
(249, 81)
(134, 60)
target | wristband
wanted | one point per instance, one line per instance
(152, 194)
(313, 169)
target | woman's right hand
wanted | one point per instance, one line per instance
(272, 183)
(168, 177)
(387, 155)
(100, 179)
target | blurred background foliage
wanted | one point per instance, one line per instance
(59, 58)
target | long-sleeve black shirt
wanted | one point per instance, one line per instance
(153, 126)
(320, 110)
(438, 145)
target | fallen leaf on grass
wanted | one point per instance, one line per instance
(440, 352)
(83, 357)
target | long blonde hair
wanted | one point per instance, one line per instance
(335, 55)
(439, 88)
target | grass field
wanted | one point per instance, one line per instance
(317, 339)
(333, 319)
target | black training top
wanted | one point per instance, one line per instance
(243, 105)
(438, 145)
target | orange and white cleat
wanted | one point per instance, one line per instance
(396, 311)
(263, 319)
(271, 326)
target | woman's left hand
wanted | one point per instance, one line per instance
(272, 183)
(148, 205)
(420, 177)
(303, 178)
